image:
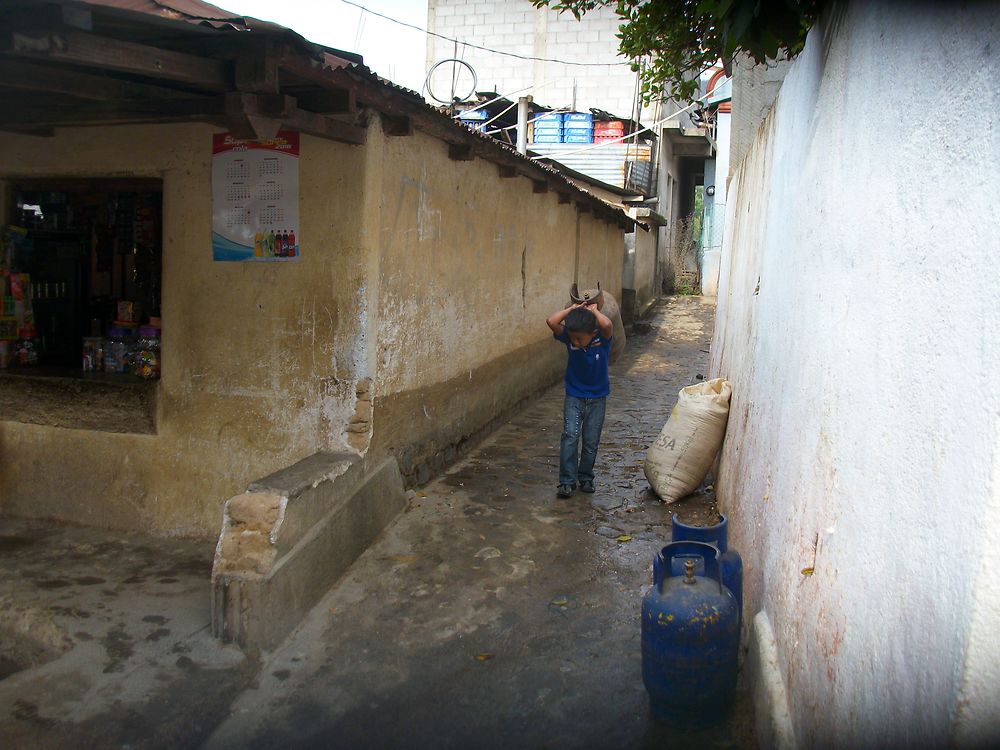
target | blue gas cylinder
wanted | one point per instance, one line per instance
(690, 638)
(730, 562)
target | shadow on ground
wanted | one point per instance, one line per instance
(490, 614)
(493, 614)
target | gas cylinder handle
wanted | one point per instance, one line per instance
(662, 568)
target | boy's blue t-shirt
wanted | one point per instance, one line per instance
(587, 369)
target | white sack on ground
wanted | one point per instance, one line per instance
(688, 443)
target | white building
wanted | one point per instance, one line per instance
(859, 304)
(559, 61)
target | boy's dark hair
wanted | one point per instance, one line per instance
(580, 320)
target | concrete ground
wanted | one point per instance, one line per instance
(105, 640)
(490, 614)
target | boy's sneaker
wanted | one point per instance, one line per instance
(564, 490)
(586, 486)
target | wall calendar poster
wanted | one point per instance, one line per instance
(255, 198)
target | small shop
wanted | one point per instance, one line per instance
(80, 275)
(216, 240)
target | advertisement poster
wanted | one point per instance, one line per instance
(255, 198)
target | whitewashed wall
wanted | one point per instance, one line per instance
(859, 321)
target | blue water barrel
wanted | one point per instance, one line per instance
(690, 639)
(548, 127)
(578, 117)
(730, 562)
(577, 137)
(548, 138)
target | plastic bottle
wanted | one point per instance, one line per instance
(146, 363)
(116, 350)
(291, 244)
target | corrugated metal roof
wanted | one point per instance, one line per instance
(604, 162)
(194, 11)
(189, 17)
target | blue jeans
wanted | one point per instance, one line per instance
(581, 417)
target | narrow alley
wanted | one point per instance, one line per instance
(489, 614)
(492, 614)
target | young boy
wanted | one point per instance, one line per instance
(586, 332)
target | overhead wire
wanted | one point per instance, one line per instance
(481, 47)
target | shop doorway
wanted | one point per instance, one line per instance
(82, 267)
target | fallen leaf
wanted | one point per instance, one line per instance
(560, 602)
(807, 571)
(421, 494)
(624, 538)
(484, 656)
(401, 558)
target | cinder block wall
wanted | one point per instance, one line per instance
(516, 26)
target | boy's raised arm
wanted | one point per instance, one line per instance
(604, 323)
(555, 320)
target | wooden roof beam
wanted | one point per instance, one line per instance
(90, 50)
(30, 76)
(202, 109)
(247, 115)
(257, 70)
(329, 101)
(261, 116)
(397, 125)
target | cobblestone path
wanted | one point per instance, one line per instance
(492, 614)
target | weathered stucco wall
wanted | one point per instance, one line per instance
(259, 360)
(858, 307)
(423, 288)
(644, 280)
(470, 267)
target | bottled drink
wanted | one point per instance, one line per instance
(146, 363)
(116, 350)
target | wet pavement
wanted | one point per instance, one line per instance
(490, 614)
(493, 614)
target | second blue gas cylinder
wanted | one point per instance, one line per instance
(730, 562)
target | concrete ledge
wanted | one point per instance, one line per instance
(290, 537)
(771, 716)
(107, 403)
